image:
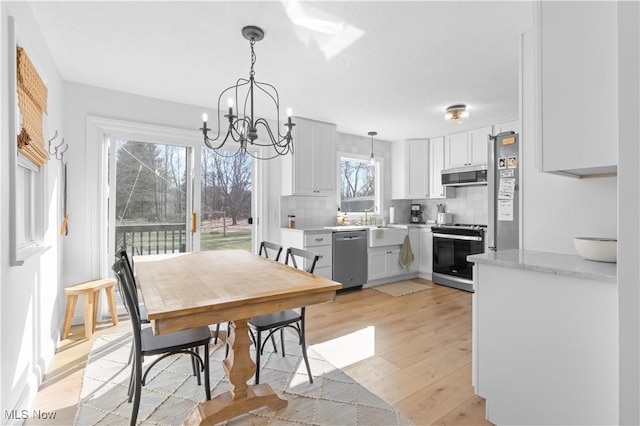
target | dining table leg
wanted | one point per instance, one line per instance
(241, 398)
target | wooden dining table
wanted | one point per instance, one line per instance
(187, 290)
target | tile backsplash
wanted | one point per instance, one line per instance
(470, 205)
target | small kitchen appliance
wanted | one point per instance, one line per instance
(444, 218)
(416, 213)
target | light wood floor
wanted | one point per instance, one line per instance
(420, 362)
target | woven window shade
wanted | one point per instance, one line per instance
(32, 101)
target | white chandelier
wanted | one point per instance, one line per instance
(243, 126)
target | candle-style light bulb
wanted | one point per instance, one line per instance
(205, 117)
(289, 114)
(230, 104)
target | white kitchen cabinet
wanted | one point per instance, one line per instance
(426, 253)
(417, 152)
(545, 340)
(456, 150)
(467, 148)
(383, 263)
(479, 145)
(414, 239)
(410, 171)
(310, 171)
(416, 166)
(319, 242)
(507, 126)
(436, 165)
(577, 47)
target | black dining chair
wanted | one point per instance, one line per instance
(278, 321)
(266, 247)
(145, 343)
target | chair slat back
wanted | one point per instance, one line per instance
(125, 276)
(293, 251)
(265, 246)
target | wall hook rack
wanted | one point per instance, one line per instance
(58, 150)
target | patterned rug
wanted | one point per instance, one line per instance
(172, 392)
(401, 288)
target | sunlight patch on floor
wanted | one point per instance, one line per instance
(350, 348)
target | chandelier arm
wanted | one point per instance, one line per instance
(276, 142)
(276, 100)
(280, 149)
(207, 140)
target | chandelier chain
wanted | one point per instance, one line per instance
(252, 42)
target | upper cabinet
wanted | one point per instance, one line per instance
(409, 169)
(467, 148)
(507, 126)
(310, 171)
(576, 97)
(436, 165)
(415, 167)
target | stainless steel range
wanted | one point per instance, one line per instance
(451, 246)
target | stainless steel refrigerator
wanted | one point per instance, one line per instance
(503, 180)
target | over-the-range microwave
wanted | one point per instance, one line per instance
(464, 176)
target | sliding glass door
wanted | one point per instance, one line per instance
(160, 202)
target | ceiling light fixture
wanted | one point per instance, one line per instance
(243, 128)
(372, 134)
(456, 112)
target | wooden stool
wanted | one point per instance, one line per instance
(90, 291)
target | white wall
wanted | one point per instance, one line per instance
(629, 210)
(31, 299)
(82, 247)
(557, 208)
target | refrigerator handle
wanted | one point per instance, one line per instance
(491, 181)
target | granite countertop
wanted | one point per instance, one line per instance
(550, 263)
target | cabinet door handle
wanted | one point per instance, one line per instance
(319, 239)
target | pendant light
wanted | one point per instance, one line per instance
(372, 134)
(243, 125)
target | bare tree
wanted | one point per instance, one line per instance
(234, 182)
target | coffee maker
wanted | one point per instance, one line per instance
(416, 213)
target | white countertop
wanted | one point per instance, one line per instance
(549, 263)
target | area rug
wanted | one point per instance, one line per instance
(172, 392)
(401, 288)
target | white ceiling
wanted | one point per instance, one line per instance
(386, 66)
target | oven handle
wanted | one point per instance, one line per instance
(457, 237)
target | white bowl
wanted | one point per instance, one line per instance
(595, 248)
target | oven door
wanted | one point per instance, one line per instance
(450, 265)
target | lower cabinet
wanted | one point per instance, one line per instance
(384, 262)
(426, 253)
(316, 241)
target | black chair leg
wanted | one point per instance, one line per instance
(303, 342)
(196, 366)
(215, 340)
(137, 389)
(207, 385)
(281, 340)
(258, 350)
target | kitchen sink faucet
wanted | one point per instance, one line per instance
(367, 220)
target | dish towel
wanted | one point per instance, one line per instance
(406, 255)
(379, 233)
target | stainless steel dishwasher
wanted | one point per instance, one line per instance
(350, 258)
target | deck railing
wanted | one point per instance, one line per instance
(151, 238)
